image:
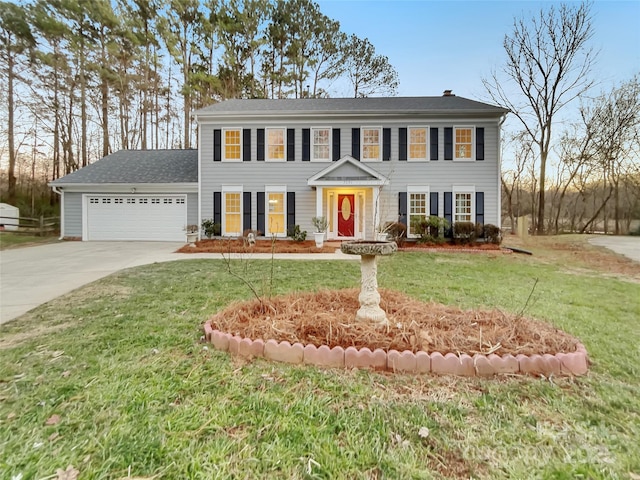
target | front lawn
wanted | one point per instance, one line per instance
(112, 380)
(10, 240)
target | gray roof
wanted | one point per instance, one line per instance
(138, 166)
(388, 105)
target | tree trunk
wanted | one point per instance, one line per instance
(11, 192)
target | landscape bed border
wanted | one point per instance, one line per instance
(561, 364)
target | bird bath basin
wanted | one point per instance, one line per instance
(369, 297)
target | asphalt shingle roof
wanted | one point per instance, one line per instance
(442, 104)
(138, 166)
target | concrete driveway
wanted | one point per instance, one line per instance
(628, 246)
(31, 276)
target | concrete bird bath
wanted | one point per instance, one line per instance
(369, 297)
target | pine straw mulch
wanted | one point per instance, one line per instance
(238, 245)
(327, 318)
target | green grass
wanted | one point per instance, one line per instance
(137, 394)
(10, 240)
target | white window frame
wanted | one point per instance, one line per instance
(426, 139)
(421, 189)
(267, 156)
(231, 189)
(224, 144)
(275, 189)
(463, 189)
(379, 159)
(312, 144)
(472, 157)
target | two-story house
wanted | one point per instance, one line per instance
(269, 164)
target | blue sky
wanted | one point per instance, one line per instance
(438, 45)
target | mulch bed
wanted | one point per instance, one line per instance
(327, 318)
(261, 246)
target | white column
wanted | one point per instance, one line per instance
(376, 210)
(319, 191)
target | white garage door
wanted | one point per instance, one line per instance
(136, 217)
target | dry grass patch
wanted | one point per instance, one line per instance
(327, 318)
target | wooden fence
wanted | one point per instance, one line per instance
(40, 226)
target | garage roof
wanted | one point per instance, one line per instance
(138, 166)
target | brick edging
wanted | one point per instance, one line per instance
(575, 363)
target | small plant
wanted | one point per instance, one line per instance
(320, 224)
(210, 228)
(296, 234)
(396, 232)
(191, 228)
(464, 232)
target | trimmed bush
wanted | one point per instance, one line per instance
(492, 234)
(210, 228)
(296, 234)
(396, 231)
(464, 232)
(430, 229)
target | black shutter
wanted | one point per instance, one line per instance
(355, 143)
(246, 210)
(402, 207)
(480, 208)
(433, 204)
(217, 145)
(336, 144)
(291, 209)
(480, 143)
(246, 145)
(402, 144)
(448, 213)
(217, 207)
(306, 144)
(260, 210)
(448, 143)
(291, 144)
(260, 144)
(386, 144)
(434, 143)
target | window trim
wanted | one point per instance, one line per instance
(230, 189)
(275, 189)
(472, 156)
(312, 156)
(362, 144)
(267, 157)
(427, 141)
(423, 189)
(224, 144)
(463, 189)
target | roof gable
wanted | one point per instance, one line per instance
(347, 171)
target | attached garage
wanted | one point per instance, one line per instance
(131, 195)
(135, 217)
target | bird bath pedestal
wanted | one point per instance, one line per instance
(369, 297)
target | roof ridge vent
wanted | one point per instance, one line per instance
(448, 93)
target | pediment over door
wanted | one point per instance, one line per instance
(347, 171)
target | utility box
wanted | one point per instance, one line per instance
(9, 217)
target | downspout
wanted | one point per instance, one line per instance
(59, 191)
(503, 118)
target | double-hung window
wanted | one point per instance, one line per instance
(232, 144)
(417, 206)
(276, 139)
(463, 204)
(321, 144)
(371, 144)
(232, 211)
(463, 143)
(418, 143)
(275, 197)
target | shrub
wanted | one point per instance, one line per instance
(464, 232)
(320, 223)
(296, 234)
(396, 231)
(492, 234)
(430, 229)
(210, 228)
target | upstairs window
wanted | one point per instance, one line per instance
(232, 144)
(321, 144)
(371, 144)
(463, 143)
(276, 144)
(418, 143)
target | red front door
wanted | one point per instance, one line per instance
(346, 217)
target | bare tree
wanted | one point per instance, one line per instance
(549, 61)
